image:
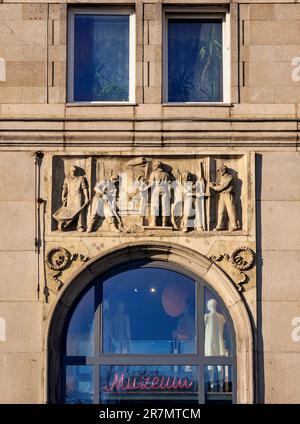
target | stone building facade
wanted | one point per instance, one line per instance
(235, 225)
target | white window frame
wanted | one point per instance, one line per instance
(198, 13)
(102, 10)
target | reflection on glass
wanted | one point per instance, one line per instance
(79, 384)
(195, 60)
(218, 384)
(80, 335)
(101, 57)
(149, 310)
(217, 332)
(142, 383)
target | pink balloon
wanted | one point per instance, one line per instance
(174, 300)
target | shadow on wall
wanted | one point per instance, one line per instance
(259, 348)
(237, 195)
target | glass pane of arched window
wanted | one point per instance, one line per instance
(80, 335)
(149, 310)
(79, 384)
(218, 384)
(218, 338)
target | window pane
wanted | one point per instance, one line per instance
(172, 383)
(101, 58)
(218, 384)
(217, 331)
(80, 335)
(79, 384)
(195, 60)
(149, 310)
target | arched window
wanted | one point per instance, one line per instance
(149, 333)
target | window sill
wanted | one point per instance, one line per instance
(200, 104)
(93, 104)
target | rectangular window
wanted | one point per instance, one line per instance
(196, 58)
(101, 55)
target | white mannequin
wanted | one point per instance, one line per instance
(214, 340)
(120, 328)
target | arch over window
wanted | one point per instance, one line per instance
(148, 329)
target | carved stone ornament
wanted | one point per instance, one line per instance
(240, 260)
(58, 258)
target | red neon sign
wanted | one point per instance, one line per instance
(142, 383)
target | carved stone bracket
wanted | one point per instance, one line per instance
(241, 259)
(59, 259)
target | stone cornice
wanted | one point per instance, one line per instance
(158, 132)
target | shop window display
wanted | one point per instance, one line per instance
(149, 333)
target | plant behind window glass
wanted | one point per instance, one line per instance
(194, 61)
(101, 58)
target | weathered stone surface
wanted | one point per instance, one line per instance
(267, 74)
(262, 32)
(280, 272)
(261, 12)
(29, 110)
(25, 74)
(10, 11)
(277, 317)
(152, 12)
(27, 321)
(33, 11)
(57, 95)
(22, 373)
(281, 215)
(263, 109)
(10, 95)
(34, 95)
(57, 11)
(281, 370)
(17, 225)
(17, 186)
(273, 185)
(19, 279)
(18, 32)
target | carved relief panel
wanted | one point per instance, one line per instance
(196, 194)
(97, 202)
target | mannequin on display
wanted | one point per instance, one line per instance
(214, 342)
(120, 329)
(107, 340)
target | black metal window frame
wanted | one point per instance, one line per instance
(197, 359)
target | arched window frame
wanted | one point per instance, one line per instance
(188, 262)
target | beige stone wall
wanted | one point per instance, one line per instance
(264, 118)
(21, 358)
(279, 298)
